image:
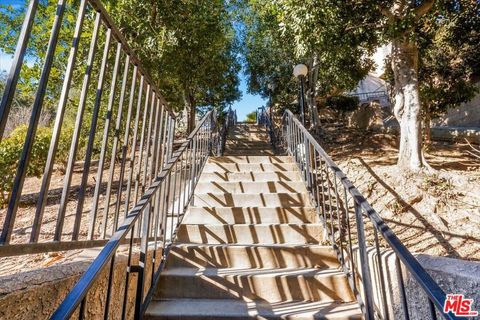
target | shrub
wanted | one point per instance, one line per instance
(11, 148)
(251, 117)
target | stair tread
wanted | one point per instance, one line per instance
(269, 246)
(253, 272)
(229, 308)
(256, 208)
(252, 256)
(250, 159)
(313, 224)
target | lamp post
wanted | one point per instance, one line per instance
(300, 71)
(270, 86)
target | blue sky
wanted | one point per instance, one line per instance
(248, 102)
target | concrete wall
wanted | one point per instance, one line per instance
(466, 115)
(453, 276)
(36, 294)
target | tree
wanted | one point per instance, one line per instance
(251, 117)
(434, 57)
(449, 63)
(337, 37)
(189, 46)
(281, 33)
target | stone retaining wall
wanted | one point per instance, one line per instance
(453, 276)
(36, 294)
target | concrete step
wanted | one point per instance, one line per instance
(250, 234)
(270, 285)
(249, 167)
(263, 142)
(250, 176)
(256, 138)
(208, 215)
(250, 159)
(251, 256)
(224, 309)
(248, 147)
(248, 152)
(250, 187)
(284, 200)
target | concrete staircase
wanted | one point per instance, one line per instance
(248, 247)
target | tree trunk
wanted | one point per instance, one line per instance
(407, 104)
(313, 94)
(191, 111)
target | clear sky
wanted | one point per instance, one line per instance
(248, 102)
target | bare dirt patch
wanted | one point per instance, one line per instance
(437, 214)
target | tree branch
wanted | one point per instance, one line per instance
(422, 9)
(387, 13)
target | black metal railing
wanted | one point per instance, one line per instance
(122, 128)
(220, 138)
(264, 118)
(360, 237)
(157, 216)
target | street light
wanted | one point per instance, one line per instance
(271, 87)
(300, 71)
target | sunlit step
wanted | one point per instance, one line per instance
(255, 167)
(250, 176)
(252, 200)
(251, 256)
(225, 309)
(219, 215)
(251, 234)
(235, 151)
(251, 187)
(250, 159)
(272, 285)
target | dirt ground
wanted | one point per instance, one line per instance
(438, 213)
(26, 212)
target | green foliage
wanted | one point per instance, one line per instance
(251, 117)
(449, 55)
(342, 103)
(331, 37)
(11, 147)
(189, 47)
(449, 59)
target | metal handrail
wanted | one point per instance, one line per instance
(321, 176)
(143, 149)
(159, 211)
(220, 138)
(264, 118)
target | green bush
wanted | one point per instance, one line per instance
(252, 117)
(343, 104)
(11, 148)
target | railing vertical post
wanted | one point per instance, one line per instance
(47, 173)
(366, 279)
(24, 160)
(142, 261)
(12, 79)
(308, 177)
(76, 134)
